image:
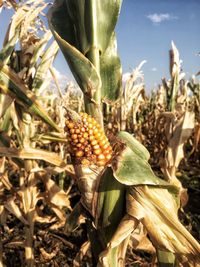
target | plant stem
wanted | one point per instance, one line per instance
(174, 92)
(93, 106)
(62, 180)
(1, 252)
(165, 258)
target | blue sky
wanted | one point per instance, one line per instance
(145, 30)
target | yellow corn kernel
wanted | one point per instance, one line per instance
(101, 157)
(97, 151)
(101, 163)
(96, 147)
(108, 157)
(82, 140)
(74, 136)
(72, 131)
(94, 142)
(79, 153)
(70, 125)
(87, 141)
(85, 135)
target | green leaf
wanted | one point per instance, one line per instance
(110, 205)
(134, 145)
(165, 258)
(111, 71)
(108, 13)
(82, 69)
(76, 9)
(110, 211)
(5, 102)
(39, 48)
(5, 140)
(6, 52)
(84, 27)
(5, 124)
(72, 20)
(131, 166)
(12, 85)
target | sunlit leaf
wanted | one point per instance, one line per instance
(32, 153)
(111, 71)
(5, 102)
(12, 85)
(78, 31)
(7, 50)
(156, 208)
(43, 67)
(55, 195)
(181, 132)
(131, 166)
(12, 207)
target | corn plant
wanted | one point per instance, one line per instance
(195, 88)
(120, 194)
(179, 119)
(22, 80)
(85, 34)
(132, 96)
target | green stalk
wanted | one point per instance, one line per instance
(93, 106)
(61, 180)
(165, 259)
(112, 193)
(97, 70)
(4, 126)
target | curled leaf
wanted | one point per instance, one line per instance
(156, 208)
(131, 167)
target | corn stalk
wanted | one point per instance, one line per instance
(132, 95)
(179, 120)
(20, 106)
(85, 34)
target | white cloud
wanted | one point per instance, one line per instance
(62, 80)
(158, 18)
(153, 69)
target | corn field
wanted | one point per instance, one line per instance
(101, 174)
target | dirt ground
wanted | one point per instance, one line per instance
(54, 248)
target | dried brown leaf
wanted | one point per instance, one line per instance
(140, 241)
(3, 215)
(157, 210)
(55, 195)
(5, 102)
(127, 225)
(5, 181)
(181, 132)
(196, 137)
(12, 207)
(59, 213)
(174, 61)
(32, 153)
(77, 262)
(48, 256)
(2, 164)
(88, 180)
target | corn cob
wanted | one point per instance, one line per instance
(88, 143)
